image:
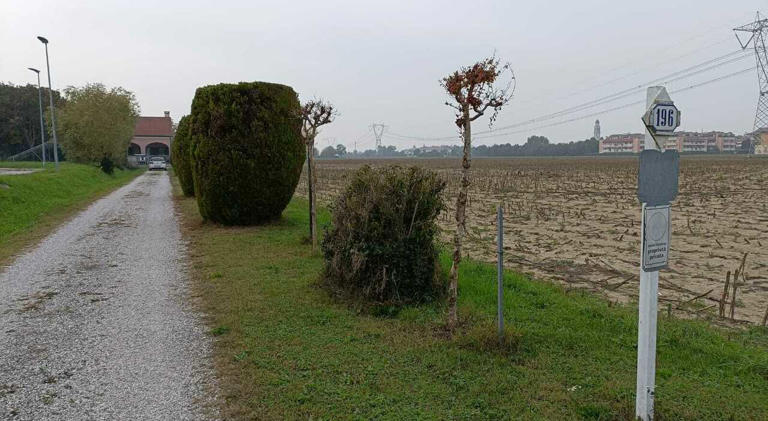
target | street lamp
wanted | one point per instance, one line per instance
(50, 94)
(40, 103)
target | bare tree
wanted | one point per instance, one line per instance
(314, 114)
(473, 91)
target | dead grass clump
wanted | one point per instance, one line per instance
(484, 337)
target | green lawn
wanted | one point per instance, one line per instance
(31, 205)
(285, 350)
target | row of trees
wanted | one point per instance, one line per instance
(534, 146)
(540, 146)
(20, 117)
(94, 122)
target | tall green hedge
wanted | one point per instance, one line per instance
(247, 152)
(180, 157)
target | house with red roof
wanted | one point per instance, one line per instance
(152, 136)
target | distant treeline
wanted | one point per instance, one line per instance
(20, 117)
(534, 146)
(540, 146)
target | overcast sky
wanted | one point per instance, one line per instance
(381, 61)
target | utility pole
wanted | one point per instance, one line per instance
(40, 104)
(378, 131)
(50, 96)
(758, 32)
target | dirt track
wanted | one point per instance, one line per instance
(95, 323)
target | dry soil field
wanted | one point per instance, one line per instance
(576, 220)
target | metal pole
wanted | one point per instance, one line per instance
(53, 118)
(647, 314)
(42, 125)
(310, 151)
(500, 270)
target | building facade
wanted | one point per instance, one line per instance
(622, 143)
(152, 136)
(684, 142)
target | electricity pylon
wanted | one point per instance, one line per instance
(758, 32)
(378, 131)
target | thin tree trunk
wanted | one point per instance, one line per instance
(311, 182)
(461, 206)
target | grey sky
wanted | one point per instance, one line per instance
(381, 61)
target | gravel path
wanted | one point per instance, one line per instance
(96, 322)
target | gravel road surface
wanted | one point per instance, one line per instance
(96, 323)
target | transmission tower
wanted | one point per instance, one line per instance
(758, 32)
(378, 132)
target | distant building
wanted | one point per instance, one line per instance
(152, 136)
(622, 143)
(760, 139)
(683, 142)
(597, 129)
(694, 142)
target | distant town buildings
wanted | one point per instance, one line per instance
(684, 142)
(622, 143)
(760, 137)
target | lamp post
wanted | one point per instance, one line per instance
(50, 94)
(40, 103)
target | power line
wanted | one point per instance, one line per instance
(682, 74)
(668, 78)
(616, 108)
(619, 107)
(654, 63)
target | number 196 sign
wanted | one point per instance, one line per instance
(662, 119)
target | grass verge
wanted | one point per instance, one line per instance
(32, 205)
(285, 350)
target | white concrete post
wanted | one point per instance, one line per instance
(648, 304)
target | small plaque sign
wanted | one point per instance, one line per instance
(656, 227)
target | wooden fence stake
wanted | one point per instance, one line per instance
(765, 318)
(724, 297)
(733, 294)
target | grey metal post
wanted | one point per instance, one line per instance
(53, 112)
(647, 315)
(500, 269)
(40, 104)
(310, 151)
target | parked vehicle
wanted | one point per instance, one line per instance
(157, 163)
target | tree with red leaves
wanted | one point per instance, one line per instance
(314, 114)
(473, 90)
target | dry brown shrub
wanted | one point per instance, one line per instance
(380, 246)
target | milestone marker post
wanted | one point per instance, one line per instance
(657, 186)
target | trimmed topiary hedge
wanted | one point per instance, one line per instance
(247, 152)
(381, 244)
(180, 156)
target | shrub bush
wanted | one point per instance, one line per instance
(180, 156)
(107, 165)
(247, 152)
(380, 246)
